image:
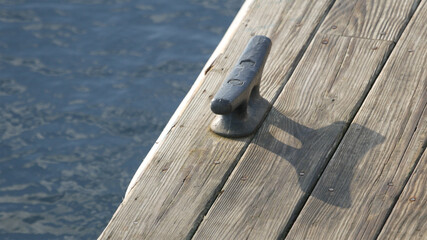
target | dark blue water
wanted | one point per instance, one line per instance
(86, 86)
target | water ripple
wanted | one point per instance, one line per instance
(86, 86)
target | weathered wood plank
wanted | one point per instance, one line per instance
(394, 108)
(180, 178)
(409, 217)
(295, 142)
(264, 193)
(379, 19)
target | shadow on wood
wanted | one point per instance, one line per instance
(309, 151)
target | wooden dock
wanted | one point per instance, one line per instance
(340, 155)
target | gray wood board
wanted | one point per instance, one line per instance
(265, 192)
(373, 19)
(409, 217)
(282, 164)
(357, 190)
(190, 165)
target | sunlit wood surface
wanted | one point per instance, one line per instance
(340, 153)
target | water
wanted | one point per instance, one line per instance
(86, 86)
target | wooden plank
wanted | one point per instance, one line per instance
(409, 217)
(282, 164)
(394, 108)
(379, 19)
(288, 153)
(182, 176)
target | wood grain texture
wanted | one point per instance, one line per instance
(394, 108)
(295, 142)
(283, 162)
(379, 19)
(409, 217)
(188, 168)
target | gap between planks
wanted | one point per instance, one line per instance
(321, 5)
(381, 67)
(292, 68)
(409, 220)
(274, 99)
(399, 32)
(414, 137)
